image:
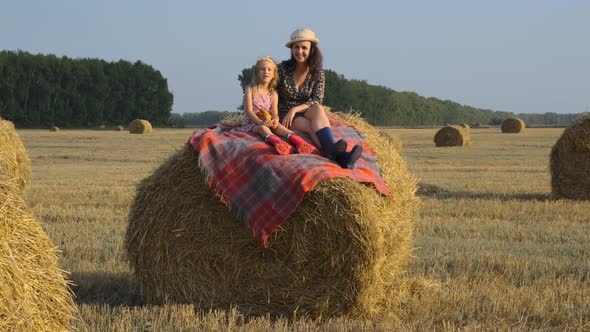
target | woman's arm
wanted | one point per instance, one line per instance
(316, 97)
(288, 118)
(317, 93)
(248, 107)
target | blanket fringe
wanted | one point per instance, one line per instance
(225, 200)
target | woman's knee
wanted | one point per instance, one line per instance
(316, 110)
(302, 124)
(317, 117)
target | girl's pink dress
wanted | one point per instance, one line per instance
(260, 102)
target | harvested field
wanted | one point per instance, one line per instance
(503, 253)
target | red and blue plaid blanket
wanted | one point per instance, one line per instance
(263, 188)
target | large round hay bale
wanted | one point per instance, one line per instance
(570, 162)
(53, 128)
(34, 295)
(233, 120)
(340, 252)
(139, 126)
(451, 136)
(513, 125)
(393, 140)
(14, 161)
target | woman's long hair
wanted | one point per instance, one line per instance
(315, 61)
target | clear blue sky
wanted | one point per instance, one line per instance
(517, 56)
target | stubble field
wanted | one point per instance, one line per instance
(503, 252)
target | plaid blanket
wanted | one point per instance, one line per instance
(263, 188)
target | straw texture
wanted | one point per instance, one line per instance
(465, 127)
(570, 162)
(341, 252)
(14, 162)
(34, 295)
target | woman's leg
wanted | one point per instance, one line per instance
(317, 117)
(303, 124)
(320, 124)
(319, 128)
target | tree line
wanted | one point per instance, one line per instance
(46, 90)
(383, 106)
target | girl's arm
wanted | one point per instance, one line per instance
(248, 107)
(274, 109)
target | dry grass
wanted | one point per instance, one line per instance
(506, 256)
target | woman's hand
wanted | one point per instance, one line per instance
(288, 119)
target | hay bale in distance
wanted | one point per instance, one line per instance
(53, 128)
(570, 162)
(139, 126)
(34, 295)
(513, 126)
(451, 136)
(340, 252)
(14, 161)
(118, 128)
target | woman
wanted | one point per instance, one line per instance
(301, 92)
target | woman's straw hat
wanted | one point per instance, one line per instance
(302, 35)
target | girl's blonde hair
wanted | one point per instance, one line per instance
(272, 85)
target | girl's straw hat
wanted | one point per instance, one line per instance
(302, 35)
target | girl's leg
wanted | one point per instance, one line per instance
(263, 131)
(280, 146)
(300, 144)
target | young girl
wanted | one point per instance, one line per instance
(261, 110)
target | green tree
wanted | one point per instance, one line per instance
(43, 90)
